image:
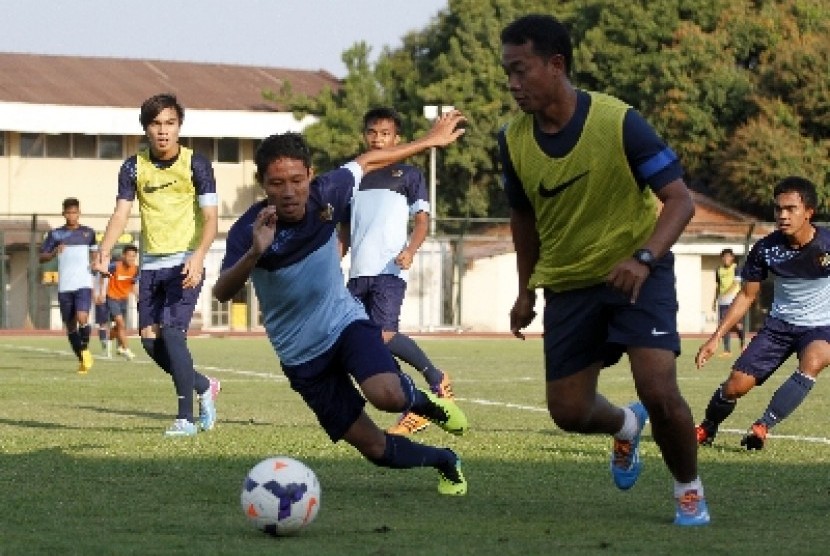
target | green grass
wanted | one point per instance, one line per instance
(85, 469)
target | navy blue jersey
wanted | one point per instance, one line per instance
(801, 277)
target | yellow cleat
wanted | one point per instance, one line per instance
(86, 361)
(82, 370)
(454, 485)
(409, 423)
(453, 421)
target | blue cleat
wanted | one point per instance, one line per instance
(181, 427)
(625, 454)
(207, 405)
(691, 510)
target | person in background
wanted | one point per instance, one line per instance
(71, 245)
(727, 286)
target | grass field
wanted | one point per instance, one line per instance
(84, 468)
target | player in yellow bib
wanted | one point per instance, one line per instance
(583, 173)
(727, 286)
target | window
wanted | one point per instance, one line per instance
(83, 146)
(32, 145)
(110, 146)
(58, 146)
(220, 313)
(227, 149)
(203, 146)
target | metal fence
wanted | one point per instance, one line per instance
(28, 289)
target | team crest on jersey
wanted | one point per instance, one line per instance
(397, 173)
(824, 260)
(327, 214)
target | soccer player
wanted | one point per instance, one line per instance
(581, 171)
(381, 255)
(102, 319)
(727, 286)
(797, 255)
(288, 245)
(176, 193)
(122, 278)
(71, 244)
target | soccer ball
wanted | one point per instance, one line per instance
(280, 495)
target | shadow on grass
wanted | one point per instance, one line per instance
(58, 501)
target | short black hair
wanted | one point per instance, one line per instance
(153, 106)
(283, 145)
(804, 187)
(546, 33)
(383, 113)
(71, 202)
(129, 247)
(727, 251)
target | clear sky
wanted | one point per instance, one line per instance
(301, 34)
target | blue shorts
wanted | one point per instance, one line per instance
(325, 382)
(596, 324)
(102, 314)
(163, 300)
(116, 307)
(774, 344)
(74, 302)
(382, 297)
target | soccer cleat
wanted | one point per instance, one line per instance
(453, 484)
(126, 353)
(705, 433)
(453, 419)
(207, 405)
(408, 423)
(691, 510)
(625, 454)
(444, 388)
(86, 361)
(82, 370)
(181, 427)
(755, 438)
(725, 354)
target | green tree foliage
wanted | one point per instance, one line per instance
(739, 88)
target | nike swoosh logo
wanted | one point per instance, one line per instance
(554, 191)
(655, 332)
(153, 188)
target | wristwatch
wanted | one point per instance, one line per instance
(645, 257)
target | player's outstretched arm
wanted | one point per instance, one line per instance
(444, 131)
(743, 301)
(232, 279)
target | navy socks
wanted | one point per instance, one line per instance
(404, 348)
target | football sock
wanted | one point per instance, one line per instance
(102, 334)
(787, 398)
(404, 348)
(154, 347)
(75, 341)
(419, 403)
(719, 408)
(84, 332)
(402, 453)
(681, 488)
(181, 369)
(742, 336)
(629, 427)
(201, 383)
(727, 341)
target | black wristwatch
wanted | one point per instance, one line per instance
(645, 257)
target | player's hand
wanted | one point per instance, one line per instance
(58, 249)
(628, 277)
(193, 270)
(522, 314)
(445, 130)
(706, 351)
(265, 228)
(101, 262)
(404, 259)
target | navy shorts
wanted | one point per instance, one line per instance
(163, 300)
(325, 382)
(74, 302)
(597, 323)
(382, 297)
(774, 344)
(102, 314)
(116, 307)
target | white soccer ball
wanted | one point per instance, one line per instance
(280, 495)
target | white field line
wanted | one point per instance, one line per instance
(476, 401)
